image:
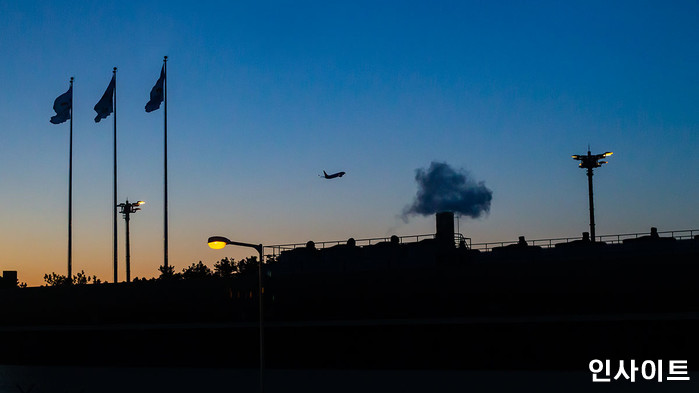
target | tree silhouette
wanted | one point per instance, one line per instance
(55, 280)
(196, 271)
(168, 273)
(226, 268)
(248, 265)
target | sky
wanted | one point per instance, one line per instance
(265, 95)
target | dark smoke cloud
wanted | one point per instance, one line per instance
(441, 188)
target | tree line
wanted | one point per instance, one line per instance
(224, 268)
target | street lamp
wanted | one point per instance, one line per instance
(589, 162)
(127, 209)
(219, 242)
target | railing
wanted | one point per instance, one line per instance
(458, 238)
(609, 239)
(679, 235)
(278, 248)
(488, 246)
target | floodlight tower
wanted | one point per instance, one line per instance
(589, 162)
(127, 209)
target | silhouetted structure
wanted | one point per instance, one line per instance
(388, 305)
(8, 279)
(652, 238)
(581, 243)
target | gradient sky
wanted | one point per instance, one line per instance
(265, 95)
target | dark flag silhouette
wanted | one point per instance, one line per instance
(63, 105)
(157, 93)
(105, 106)
(441, 188)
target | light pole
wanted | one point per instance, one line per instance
(219, 242)
(127, 209)
(589, 162)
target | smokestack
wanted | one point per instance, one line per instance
(445, 228)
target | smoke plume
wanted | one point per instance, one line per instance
(441, 188)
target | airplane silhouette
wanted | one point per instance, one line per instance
(334, 175)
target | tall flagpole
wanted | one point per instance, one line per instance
(70, 190)
(114, 205)
(165, 238)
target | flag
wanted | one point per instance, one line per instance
(105, 106)
(62, 106)
(157, 94)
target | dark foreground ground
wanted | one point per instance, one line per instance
(439, 320)
(17, 379)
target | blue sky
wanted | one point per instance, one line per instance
(263, 96)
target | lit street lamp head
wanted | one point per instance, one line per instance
(218, 242)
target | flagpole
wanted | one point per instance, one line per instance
(165, 236)
(114, 205)
(70, 190)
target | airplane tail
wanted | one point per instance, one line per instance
(326, 175)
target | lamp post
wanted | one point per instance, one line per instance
(219, 242)
(589, 162)
(127, 209)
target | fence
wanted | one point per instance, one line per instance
(487, 246)
(278, 248)
(609, 239)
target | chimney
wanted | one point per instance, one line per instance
(445, 228)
